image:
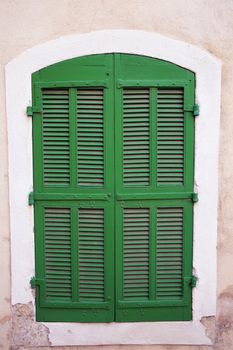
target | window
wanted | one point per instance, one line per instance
(113, 141)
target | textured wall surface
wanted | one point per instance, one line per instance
(207, 24)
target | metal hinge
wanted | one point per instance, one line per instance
(35, 282)
(192, 108)
(31, 198)
(195, 197)
(31, 110)
(193, 281)
(196, 110)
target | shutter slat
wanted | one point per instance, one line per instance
(58, 253)
(91, 254)
(136, 143)
(90, 134)
(136, 246)
(170, 136)
(169, 252)
(55, 124)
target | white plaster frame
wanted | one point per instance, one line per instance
(18, 94)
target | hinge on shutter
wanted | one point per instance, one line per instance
(193, 281)
(195, 197)
(31, 110)
(35, 282)
(196, 110)
(192, 108)
(31, 198)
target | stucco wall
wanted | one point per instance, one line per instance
(206, 24)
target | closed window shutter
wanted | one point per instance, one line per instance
(113, 185)
(154, 152)
(73, 202)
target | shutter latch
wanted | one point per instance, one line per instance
(193, 281)
(31, 110)
(31, 198)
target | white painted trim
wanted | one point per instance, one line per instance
(18, 92)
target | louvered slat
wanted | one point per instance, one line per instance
(91, 254)
(136, 137)
(170, 137)
(56, 150)
(58, 253)
(136, 253)
(90, 131)
(169, 252)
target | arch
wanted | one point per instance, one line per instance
(18, 92)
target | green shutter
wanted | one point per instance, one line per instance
(73, 191)
(113, 181)
(154, 170)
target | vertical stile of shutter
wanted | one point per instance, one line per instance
(90, 134)
(170, 136)
(169, 252)
(91, 254)
(57, 232)
(136, 226)
(56, 149)
(136, 137)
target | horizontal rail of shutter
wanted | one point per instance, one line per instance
(56, 138)
(170, 137)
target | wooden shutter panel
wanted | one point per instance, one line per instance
(113, 180)
(154, 155)
(73, 191)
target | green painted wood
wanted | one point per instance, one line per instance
(113, 146)
(73, 142)
(154, 152)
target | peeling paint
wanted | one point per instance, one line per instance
(210, 324)
(25, 330)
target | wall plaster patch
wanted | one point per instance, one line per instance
(18, 94)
